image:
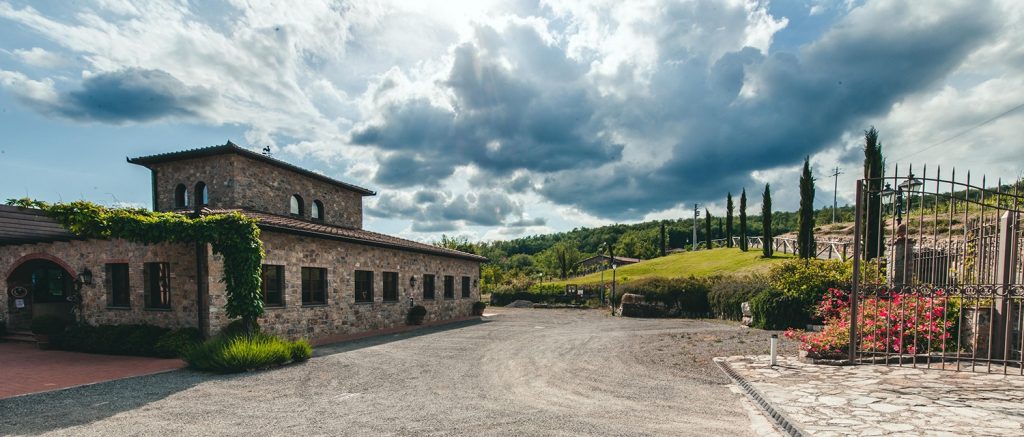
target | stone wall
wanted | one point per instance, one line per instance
(94, 255)
(341, 314)
(234, 181)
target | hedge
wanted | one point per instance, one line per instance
(728, 293)
(537, 293)
(139, 340)
(679, 296)
(774, 309)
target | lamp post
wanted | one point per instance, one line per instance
(895, 198)
(613, 289)
(600, 251)
(696, 214)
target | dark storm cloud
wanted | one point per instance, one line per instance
(710, 114)
(803, 103)
(538, 116)
(430, 208)
(132, 94)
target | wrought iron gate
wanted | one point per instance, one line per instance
(938, 273)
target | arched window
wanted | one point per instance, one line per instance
(316, 210)
(181, 196)
(297, 207)
(202, 194)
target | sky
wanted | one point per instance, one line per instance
(499, 119)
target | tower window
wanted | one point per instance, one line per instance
(202, 194)
(181, 196)
(297, 207)
(316, 210)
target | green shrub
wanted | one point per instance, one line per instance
(238, 354)
(176, 343)
(810, 279)
(418, 311)
(727, 293)
(48, 325)
(774, 309)
(138, 340)
(301, 350)
(537, 293)
(685, 296)
(237, 328)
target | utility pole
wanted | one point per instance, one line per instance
(696, 214)
(835, 192)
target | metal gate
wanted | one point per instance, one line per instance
(938, 273)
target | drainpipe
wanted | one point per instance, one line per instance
(202, 276)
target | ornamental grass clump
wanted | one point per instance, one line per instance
(901, 324)
(246, 353)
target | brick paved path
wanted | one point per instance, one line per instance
(879, 400)
(24, 368)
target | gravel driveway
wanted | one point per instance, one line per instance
(520, 372)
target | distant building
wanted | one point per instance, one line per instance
(323, 275)
(597, 263)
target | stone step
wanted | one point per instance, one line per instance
(19, 336)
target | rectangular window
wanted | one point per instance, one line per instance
(428, 287)
(314, 286)
(158, 285)
(465, 286)
(390, 286)
(118, 287)
(364, 286)
(449, 287)
(273, 285)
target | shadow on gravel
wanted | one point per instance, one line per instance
(351, 345)
(42, 412)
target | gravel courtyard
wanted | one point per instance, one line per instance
(519, 372)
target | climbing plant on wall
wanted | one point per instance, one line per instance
(231, 235)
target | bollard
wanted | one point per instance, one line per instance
(774, 341)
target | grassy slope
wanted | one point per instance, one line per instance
(700, 263)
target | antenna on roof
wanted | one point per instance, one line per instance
(266, 151)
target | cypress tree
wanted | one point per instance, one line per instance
(743, 220)
(728, 220)
(873, 175)
(805, 236)
(766, 220)
(663, 240)
(707, 226)
(721, 229)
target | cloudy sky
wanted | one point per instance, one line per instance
(496, 119)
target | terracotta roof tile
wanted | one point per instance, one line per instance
(25, 225)
(284, 223)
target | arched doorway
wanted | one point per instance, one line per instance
(38, 287)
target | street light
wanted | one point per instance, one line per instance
(895, 198)
(600, 251)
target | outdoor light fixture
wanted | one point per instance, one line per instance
(911, 184)
(85, 277)
(412, 281)
(476, 282)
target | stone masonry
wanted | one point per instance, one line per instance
(235, 181)
(94, 255)
(341, 314)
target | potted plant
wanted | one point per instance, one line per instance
(416, 314)
(478, 308)
(45, 327)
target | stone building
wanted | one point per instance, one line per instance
(323, 275)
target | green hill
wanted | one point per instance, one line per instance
(700, 263)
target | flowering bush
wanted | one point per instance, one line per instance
(903, 324)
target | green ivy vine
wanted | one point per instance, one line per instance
(232, 235)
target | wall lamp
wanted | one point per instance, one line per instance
(412, 281)
(85, 277)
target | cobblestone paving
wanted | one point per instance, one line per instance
(869, 400)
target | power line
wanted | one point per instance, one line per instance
(1001, 115)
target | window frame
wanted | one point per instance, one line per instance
(467, 290)
(366, 281)
(161, 280)
(384, 286)
(432, 286)
(181, 196)
(280, 273)
(296, 203)
(316, 210)
(449, 287)
(202, 194)
(111, 282)
(308, 293)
